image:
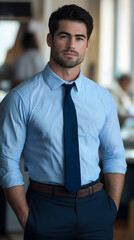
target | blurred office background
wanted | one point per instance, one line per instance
(110, 55)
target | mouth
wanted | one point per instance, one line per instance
(70, 53)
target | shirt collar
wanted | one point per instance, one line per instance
(54, 81)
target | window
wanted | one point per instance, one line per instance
(106, 47)
(123, 37)
(116, 49)
(8, 33)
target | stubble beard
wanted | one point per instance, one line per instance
(66, 63)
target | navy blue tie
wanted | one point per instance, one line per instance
(72, 163)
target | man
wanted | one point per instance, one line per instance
(34, 119)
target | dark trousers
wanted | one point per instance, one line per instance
(66, 218)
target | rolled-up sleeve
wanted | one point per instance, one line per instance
(111, 145)
(12, 139)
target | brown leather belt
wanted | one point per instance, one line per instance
(61, 191)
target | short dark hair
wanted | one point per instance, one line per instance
(125, 78)
(29, 40)
(70, 12)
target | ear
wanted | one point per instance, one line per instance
(49, 39)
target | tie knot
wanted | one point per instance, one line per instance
(68, 87)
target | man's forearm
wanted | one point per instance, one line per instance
(114, 185)
(17, 200)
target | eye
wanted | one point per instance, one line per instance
(80, 39)
(64, 36)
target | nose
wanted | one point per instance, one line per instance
(71, 43)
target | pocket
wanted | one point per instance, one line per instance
(112, 204)
(27, 220)
(27, 226)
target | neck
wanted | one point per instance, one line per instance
(67, 74)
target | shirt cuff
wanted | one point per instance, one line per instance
(11, 179)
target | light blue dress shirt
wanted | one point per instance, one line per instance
(31, 121)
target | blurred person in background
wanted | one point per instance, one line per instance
(24, 59)
(29, 62)
(122, 95)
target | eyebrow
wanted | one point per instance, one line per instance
(76, 35)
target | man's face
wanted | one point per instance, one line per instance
(69, 45)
